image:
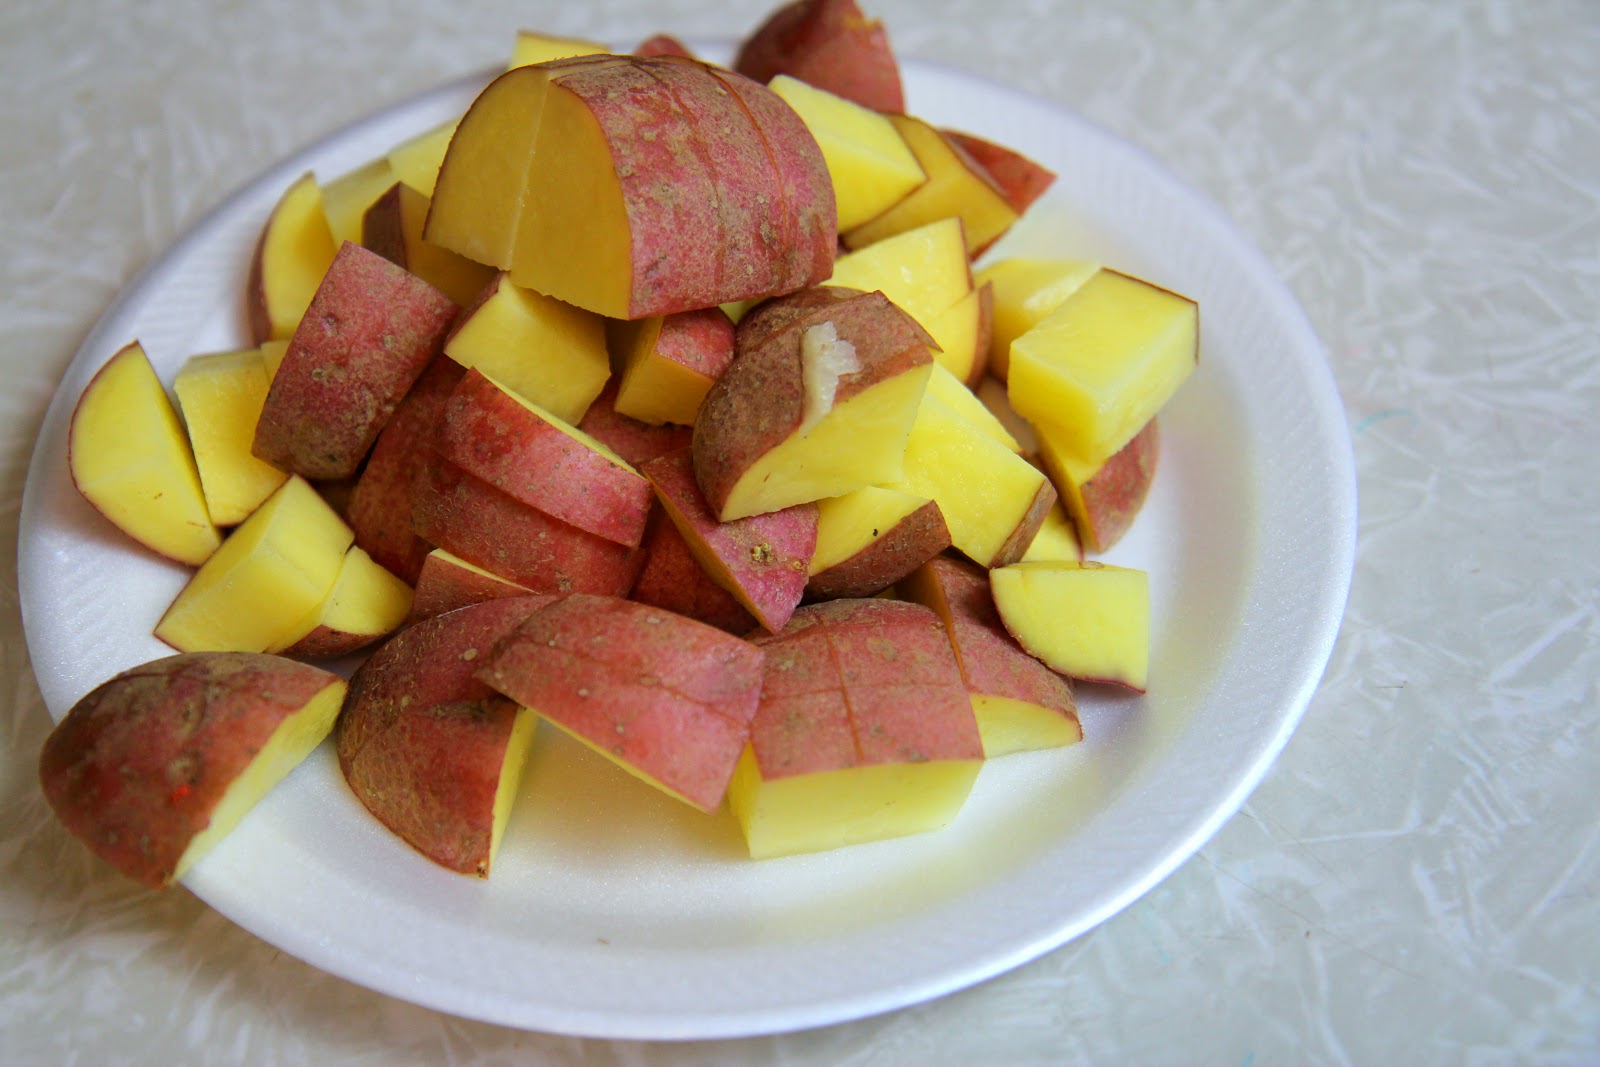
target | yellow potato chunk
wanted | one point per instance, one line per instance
(956, 188)
(266, 579)
(545, 351)
(871, 165)
(392, 228)
(130, 458)
(993, 500)
(1057, 538)
(964, 402)
(846, 524)
(294, 252)
(923, 271)
(1009, 725)
(221, 396)
(1086, 620)
(365, 603)
(416, 160)
(346, 198)
(1101, 365)
(831, 809)
(1025, 291)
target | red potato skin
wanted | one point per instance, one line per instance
(324, 642)
(662, 693)
(493, 436)
(663, 44)
(699, 340)
(673, 579)
(808, 225)
(766, 556)
(137, 766)
(469, 518)
(443, 586)
(759, 401)
(381, 504)
(829, 44)
(891, 556)
(992, 662)
(1113, 497)
(421, 741)
(1027, 528)
(634, 440)
(985, 336)
(709, 217)
(1021, 179)
(370, 331)
(852, 683)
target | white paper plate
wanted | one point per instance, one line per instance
(615, 911)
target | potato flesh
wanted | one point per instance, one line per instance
(393, 228)
(1008, 725)
(871, 166)
(860, 442)
(924, 271)
(544, 350)
(296, 248)
(831, 809)
(846, 524)
(1101, 365)
(289, 745)
(416, 160)
(1086, 620)
(954, 394)
(221, 396)
(480, 190)
(346, 198)
(523, 729)
(1057, 539)
(533, 47)
(953, 190)
(130, 457)
(266, 580)
(1025, 291)
(986, 492)
(365, 601)
(669, 363)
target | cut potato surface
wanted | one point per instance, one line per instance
(447, 582)
(365, 603)
(130, 457)
(1025, 291)
(291, 256)
(155, 766)
(1101, 365)
(1087, 620)
(869, 539)
(221, 396)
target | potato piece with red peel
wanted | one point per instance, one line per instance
(673, 579)
(1086, 620)
(292, 254)
(392, 227)
(472, 519)
(993, 500)
(957, 187)
(1020, 704)
(1100, 366)
(1102, 502)
(635, 441)
(537, 459)
(386, 492)
(760, 559)
(865, 730)
(160, 763)
(365, 604)
(415, 161)
(669, 363)
(544, 350)
(431, 751)
(870, 539)
(370, 331)
(790, 422)
(665, 697)
(221, 395)
(829, 44)
(447, 582)
(1021, 179)
(663, 44)
(345, 199)
(130, 458)
(636, 186)
(262, 587)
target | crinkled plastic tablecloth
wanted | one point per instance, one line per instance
(1415, 881)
